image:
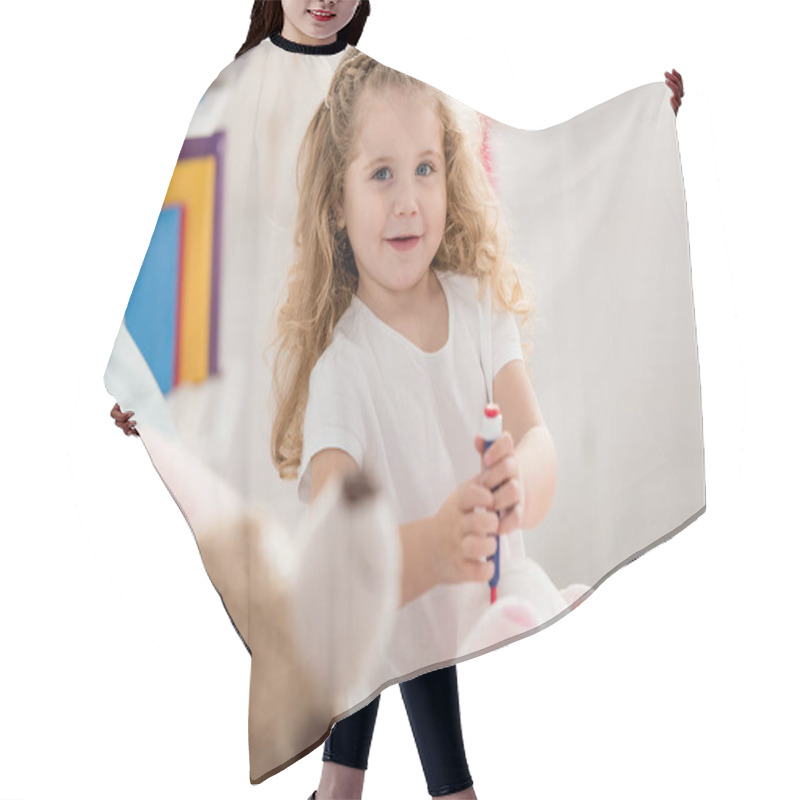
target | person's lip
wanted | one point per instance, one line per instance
(319, 14)
(404, 243)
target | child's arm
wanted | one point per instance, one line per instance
(445, 548)
(327, 463)
(522, 462)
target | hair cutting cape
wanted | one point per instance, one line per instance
(596, 217)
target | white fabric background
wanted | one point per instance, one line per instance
(675, 679)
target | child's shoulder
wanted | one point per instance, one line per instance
(340, 353)
(344, 354)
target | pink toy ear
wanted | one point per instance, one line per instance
(509, 616)
(575, 593)
(521, 615)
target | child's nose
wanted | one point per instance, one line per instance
(405, 200)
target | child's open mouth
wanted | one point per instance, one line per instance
(322, 16)
(403, 242)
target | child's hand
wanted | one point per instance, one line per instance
(501, 475)
(462, 537)
(675, 82)
(124, 421)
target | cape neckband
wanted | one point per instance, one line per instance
(308, 49)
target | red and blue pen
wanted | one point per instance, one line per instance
(491, 430)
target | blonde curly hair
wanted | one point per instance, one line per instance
(323, 278)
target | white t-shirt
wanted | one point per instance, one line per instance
(408, 418)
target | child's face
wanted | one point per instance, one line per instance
(316, 21)
(395, 197)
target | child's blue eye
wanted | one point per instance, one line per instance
(385, 170)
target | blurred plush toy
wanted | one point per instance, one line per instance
(282, 591)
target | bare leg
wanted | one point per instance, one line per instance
(339, 782)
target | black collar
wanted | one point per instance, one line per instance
(308, 49)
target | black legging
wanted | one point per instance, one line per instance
(431, 701)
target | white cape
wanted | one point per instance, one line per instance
(596, 211)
